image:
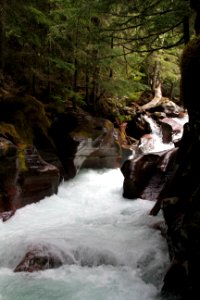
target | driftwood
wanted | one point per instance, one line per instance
(157, 98)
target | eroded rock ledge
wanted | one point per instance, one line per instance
(181, 196)
(25, 177)
(39, 148)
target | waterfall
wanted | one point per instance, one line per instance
(153, 142)
(107, 244)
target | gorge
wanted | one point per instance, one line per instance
(99, 170)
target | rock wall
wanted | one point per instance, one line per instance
(83, 141)
(181, 197)
(45, 148)
(24, 177)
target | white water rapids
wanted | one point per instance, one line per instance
(120, 255)
(155, 143)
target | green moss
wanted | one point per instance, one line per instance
(108, 125)
(81, 134)
(22, 157)
(92, 128)
(25, 113)
(8, 131)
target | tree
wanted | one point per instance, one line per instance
(86, 51)
(2, 38)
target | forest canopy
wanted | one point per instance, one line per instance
(89, 50)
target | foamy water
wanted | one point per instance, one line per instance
(155, 143)
(116, 253)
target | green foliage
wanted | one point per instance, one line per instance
(87, 51)
(169, 61)
(124, 118)
(76, 97)
(38, 16)
(148, 25)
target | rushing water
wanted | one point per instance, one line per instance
(120, 256)
(155, 143)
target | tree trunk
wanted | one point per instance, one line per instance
(156, 87)
(156, 99)
(2, 39)
(95, 91)
(111, 46)
(195, 4)
(49, 53)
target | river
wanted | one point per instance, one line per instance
(117, 254)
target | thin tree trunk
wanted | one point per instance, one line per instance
(111, 46)
(156, 87)
(195, 4)
(2, 39)
(171, 90)
(86, 85)
(75, 77)
(49, 53)
(186, 29)
(95, 88)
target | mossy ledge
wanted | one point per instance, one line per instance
(19, 116)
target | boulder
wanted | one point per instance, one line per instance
(39, 259)
(138, 126)
(168, 107)
(98, 146)
(146, 175)
(170, 128)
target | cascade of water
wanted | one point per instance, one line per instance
(153, 142)
(106, 244)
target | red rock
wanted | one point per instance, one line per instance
(146, 175)
(24, 185)
(40, 179)
(38, 259)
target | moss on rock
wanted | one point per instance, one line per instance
(8, 131)
(22, 114)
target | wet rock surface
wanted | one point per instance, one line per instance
(38, 180)
(25, 177)
(39, 259)
(146, 175)
(83, 141)
(9, 172)
(43, 257)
